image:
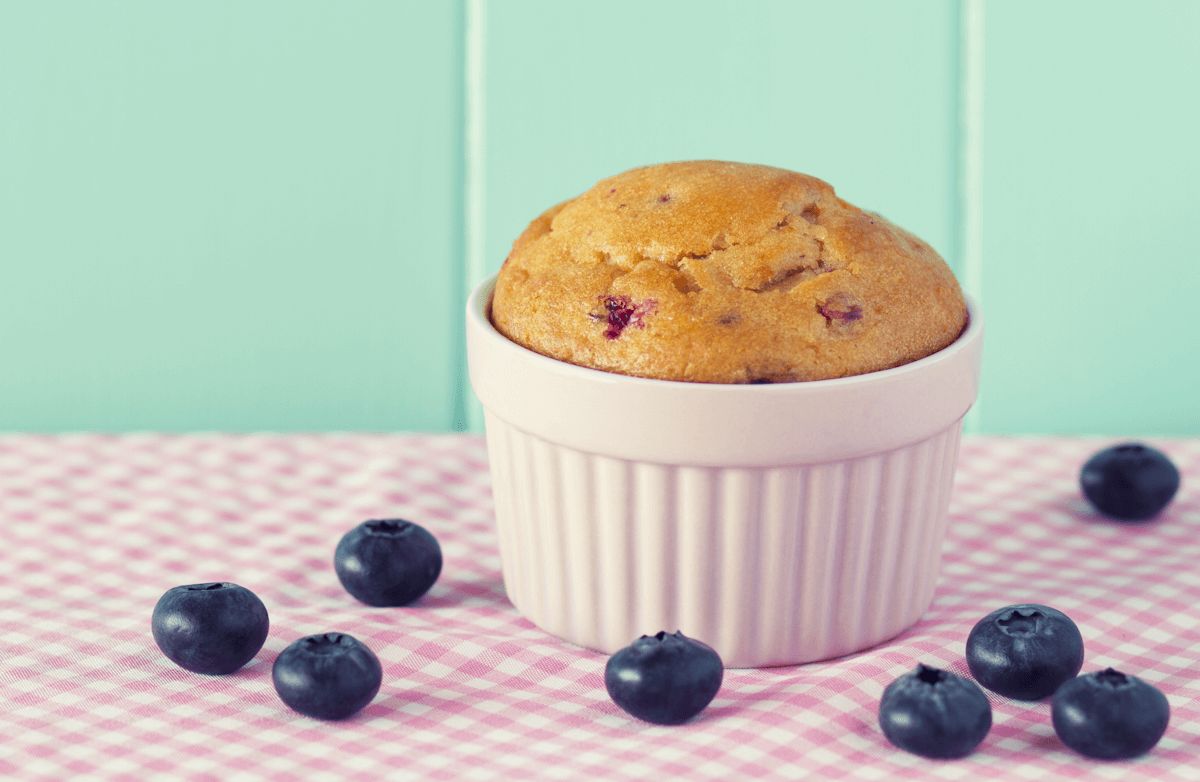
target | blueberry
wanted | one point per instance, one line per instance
(935, 713)
(210, 628)
(1129, 482)
(1024, 651)
(665, 679)
(329, 676)
(1110, 716)
(388, 562)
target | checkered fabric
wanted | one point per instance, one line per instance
(94, 528)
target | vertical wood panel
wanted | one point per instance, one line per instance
(229, 215)
(1091, 181)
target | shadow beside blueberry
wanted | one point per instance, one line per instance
(485, 593)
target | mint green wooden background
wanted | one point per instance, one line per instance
(265, 214)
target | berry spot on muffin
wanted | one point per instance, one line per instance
(620, 312)
(840, 309)
(729, 319)
(811, 213)
(664, 198)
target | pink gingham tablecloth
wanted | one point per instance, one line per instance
(94, 528)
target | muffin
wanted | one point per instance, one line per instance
(719, 272)
(778, 522)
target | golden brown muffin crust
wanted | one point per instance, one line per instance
(721, 272)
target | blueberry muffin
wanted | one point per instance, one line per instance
(717, 272)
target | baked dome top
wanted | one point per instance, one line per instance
(720, 272)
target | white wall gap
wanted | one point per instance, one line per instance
(474, 180)
(971, 86)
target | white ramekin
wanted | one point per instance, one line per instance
(778, 523)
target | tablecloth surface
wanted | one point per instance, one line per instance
(93, 529)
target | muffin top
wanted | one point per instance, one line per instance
(717, 272)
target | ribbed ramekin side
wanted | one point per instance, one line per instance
(770, 565)
(941, 515)
(892, 524)
(501, 467)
